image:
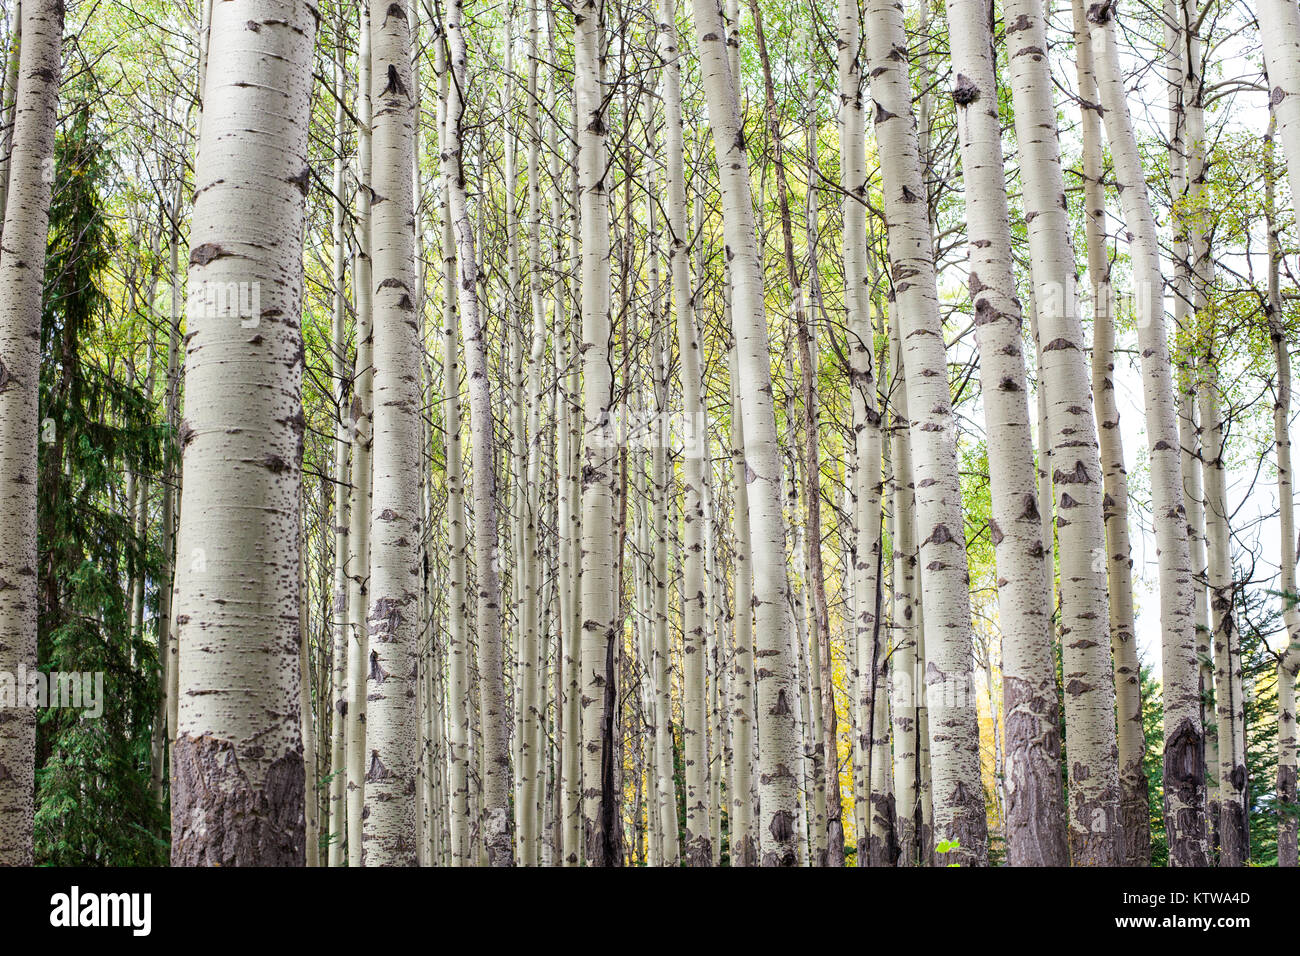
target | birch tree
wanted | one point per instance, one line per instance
(392, 623)
(1073, 452)
(1279, 23)
(1035, 815)
(954, 736)
(1135, 811)
(696, 444)
(1184, 770)
(237, 772)
(599, 449)
(26, 221)
(777, 740)
(493, 715)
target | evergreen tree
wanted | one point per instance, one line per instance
(94, 800)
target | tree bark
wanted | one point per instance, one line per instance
(362, 420)
(1289, 659)
(22, 270)
(1184, 752)
(493, 714)
(1135, 810)
(1035, 813)
(238, 776)
(954, 741)
(778, 743)
(389, 831)
(1071, 441)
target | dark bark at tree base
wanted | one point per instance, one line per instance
(1287, 825)
(1087, 846)
(1135, 819)
(603, 837)
(1184, 775)
(969, 828)
(1234, 825)
(219, 818)
(1035, 811)
(496, 837)
(781, 828)
(883, 852)
(744, 853)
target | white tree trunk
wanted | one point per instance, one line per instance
(600, 445)
(1289, 661)
(1184, 770)
(237, 774)
(359, 502)
(1035, 815)
(389, 830)
(1071, 441)
(1135, 835)
(1279, 30)
(908, 677)
(954, 741)
(778, 741)
(26, 221)
(696, 436)
(337, 824)
(493, 714)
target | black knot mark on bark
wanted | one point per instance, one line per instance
(376, 771)
(995, 533)
(965, 92)
(984, 310)
(940, 535)
(185, 433)
(377, 673)
(1277, 96)
(1101, 13)
(1078, 476)
(782, 826)
(882, 114)
(206, 253)
(301, 180)
(782, 706)
(274, 464)
(394, 84)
